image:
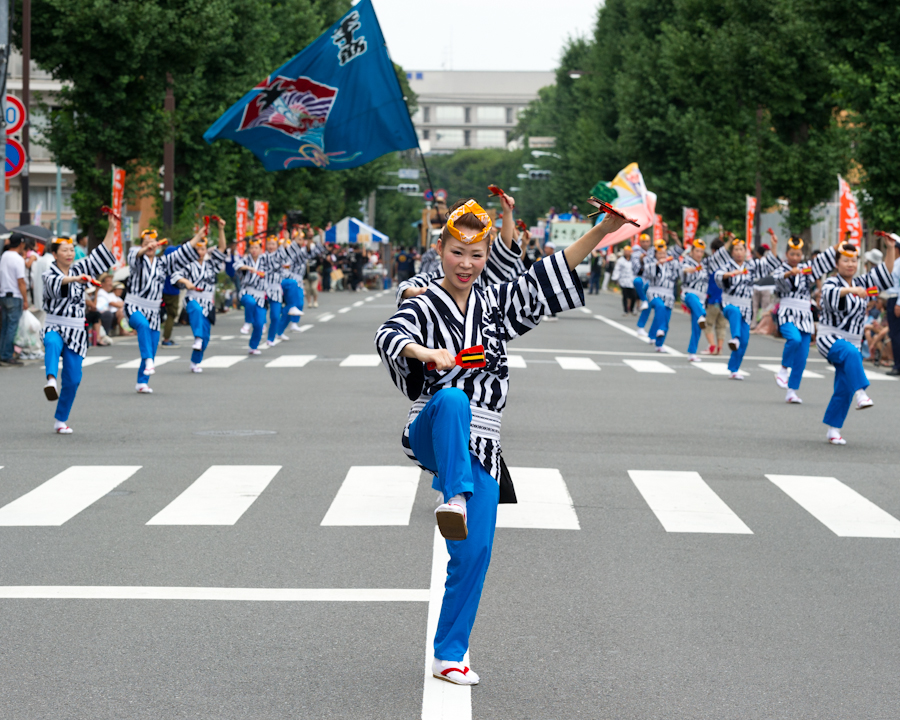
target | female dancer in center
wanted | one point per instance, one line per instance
(200, 277)
(735, 274)
(694, 284)
(661, 272)
(453, 430)
(794, 282)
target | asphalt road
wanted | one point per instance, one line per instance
(622, 618)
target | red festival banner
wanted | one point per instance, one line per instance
(260, 218)
(240, 224)
(657, 228)
(750, 223)
(118, 202)
(690, 220)
(849, 222)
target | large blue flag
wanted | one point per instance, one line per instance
(337, 104)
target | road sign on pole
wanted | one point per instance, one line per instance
(15, 157)
(15, 114)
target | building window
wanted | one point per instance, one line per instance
(468, 114)
(509, 116)
(427, 114)
(418, 76)
(426, 134)
(468, 138)
(448, 139)
(449, 113)
(491, 115)
(491, 138)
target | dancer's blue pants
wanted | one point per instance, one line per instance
(740, 329)
(257, 314)
(849, 376)
(641, 286)
(439, 437)
(274, 319)
(697, 311)
(200, 326)
(148, 341)
(796, 350)
(54, 348)
(293, 298)
(661, 317)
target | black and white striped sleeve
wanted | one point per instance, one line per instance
(824, 263)
(183, 254)
(402, 329)
(879, 276)
(421, 280)
(503, 263)
(831, 296)
(98, 262)
(719, 259)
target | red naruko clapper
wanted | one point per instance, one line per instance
(469, 358)
(604, 207)
(107, 210)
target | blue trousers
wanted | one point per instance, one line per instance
(439, 437)
(740, 329)
(796, 350)
(200, 326)
(257, 315)
(148, 341)
(849, 376)
(54, 348)
(641, 286)
(661, 317)
(274, 319)
(697, 311)
(293, 298)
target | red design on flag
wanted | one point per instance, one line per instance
(690, 220)
(118, 200)
(260, 218)
(849, 222)
(657, 228)
(750, 223)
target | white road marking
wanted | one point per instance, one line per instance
(140, 592)
(515, 361)
(648, 366)
(370, 299)
(441, 700)
(586, 310)
(228, 337)
(838, 507)
(64, 496)
(344, 310)
(222, 361)
(806, 373)
(361, 361)
(95, 359)
(218, 497)
(543, 501)
(634, 333)
(374, 495)
(304, 328)
(358, 303)
(159, 360)
(879, 376)
(326, 317)
(617, 353)
(714, 368)
(577, 363)
(292, 361)
(683, 503)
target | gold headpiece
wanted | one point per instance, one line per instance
(854, 253)
(254, 241)
(464, 235)
(63, 240)
(698, 243)
(660, 244)
(737, 241)
(795, 244)
(150, 233)
(644, 236)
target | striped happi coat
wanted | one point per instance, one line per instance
(795, 291)
(662, 278)
(738, 291)
(204, 275)
(695, 282)
(64, 304)
(495, 314)
(298, 258)
(844, 317)
(502, 265)
(269, 285)
(431, 262)
(148, 277)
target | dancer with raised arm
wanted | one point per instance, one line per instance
(144, 296)
(694, 286)
(662, 273)
(251, 270)
(64, 333)
(794, 283)
(446, 350)
(845, 297)
(200, 277)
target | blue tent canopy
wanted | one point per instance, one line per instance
(348, 230)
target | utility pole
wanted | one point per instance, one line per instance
(25, 215)
(4, 56)
(169, 156)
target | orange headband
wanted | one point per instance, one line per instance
(698, 243)
(644, 236)
(795, 244)
(849, 253)
(64, 241)
(660, 244)
(736, 242)
(463, 235)
(149, 232)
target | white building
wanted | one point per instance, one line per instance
(42, 169)
(471, 109)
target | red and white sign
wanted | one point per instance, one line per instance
(240, 223)
(260, 218)
(118, 202)
(849, 222)
(690, 220)
(657, 228)
(15, 114)
(15, 157)
(750, 223)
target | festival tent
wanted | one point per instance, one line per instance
(349, 231)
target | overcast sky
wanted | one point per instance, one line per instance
(479, 35)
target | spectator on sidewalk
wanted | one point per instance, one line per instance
(81, 245)
(171, 300)
(597, 264)
(892, 313)
(623, 274)
(13, 296)
(109, 305)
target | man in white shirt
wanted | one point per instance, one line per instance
(623, 273)
(13, 296)
(108, 304)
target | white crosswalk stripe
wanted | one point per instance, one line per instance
(543, 501)
(361, 361)
(222, 361)
(218, 497)
(374, 495)
(806, 373)
(714, 368)
(576, 363)
(94, 359)
(290, 361)
(649, 366)
(158, 361)
(516, 361)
